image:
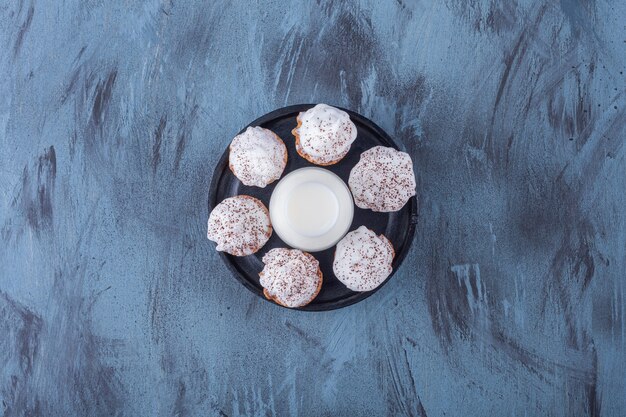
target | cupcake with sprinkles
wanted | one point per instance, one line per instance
(324, 134)
(383, 180)
(239, 225)
(291, 278)
(363, 260)
(257, 157)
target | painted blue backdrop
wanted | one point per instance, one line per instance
(511, 301)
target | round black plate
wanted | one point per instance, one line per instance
(398, 227)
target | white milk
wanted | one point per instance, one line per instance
(311, 209)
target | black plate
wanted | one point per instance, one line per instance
(398, 227)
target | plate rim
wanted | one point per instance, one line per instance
(357, 296)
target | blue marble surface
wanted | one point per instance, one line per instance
(511, 301)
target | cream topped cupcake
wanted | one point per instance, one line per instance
(257, 156)
(363, 260)
(383, 179)
(291, 278)
(239, 225)
(324, 134)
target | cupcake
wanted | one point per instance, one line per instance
(239, 225)
(257, 156)
(324, 134)
(291, 278)
(382, 180)
(363, 259)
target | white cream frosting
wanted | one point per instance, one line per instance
(325, 134)
(257, 156)
(239, 225)
(383, 179)
(291, 276)
(363, 259)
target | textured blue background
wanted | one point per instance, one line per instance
(511, 301)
